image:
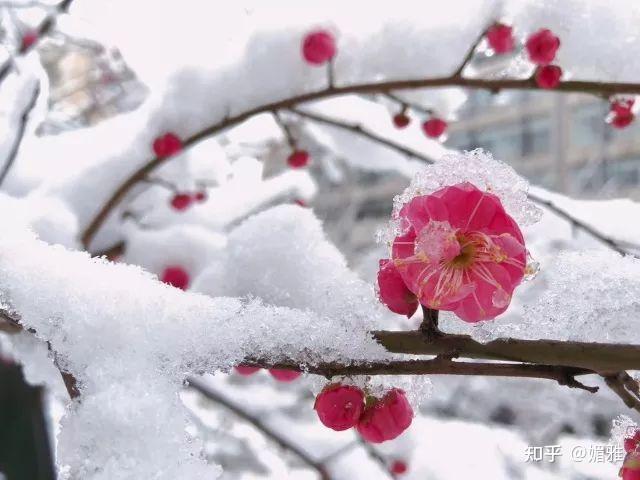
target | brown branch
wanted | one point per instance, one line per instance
(618, 384)
(269, 432)
(599, 357)
(429, 325)
(285, 129)
(22, 126)
(359, 130)
(437, 366)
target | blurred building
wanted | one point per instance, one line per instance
(557, 141)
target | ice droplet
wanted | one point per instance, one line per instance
(500, 298)
(532, 268)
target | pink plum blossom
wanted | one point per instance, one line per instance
(339, 407)
(393, 291)
(460, 252)
(387, 418)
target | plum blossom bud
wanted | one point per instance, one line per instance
(167, 145)
(339, 407)
(500, 38)
(176, 276)
(387, 418)
(318, 47)
(542, 46)
(548, 76)
(393, 291)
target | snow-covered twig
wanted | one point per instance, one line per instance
(283, 442)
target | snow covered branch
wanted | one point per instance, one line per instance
(604, 89)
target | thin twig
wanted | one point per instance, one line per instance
(285, 129)
(269, 432)
(361, 131)
(22, 126)
(608, 241)
(470, 53)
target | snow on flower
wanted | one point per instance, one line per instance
(457, 248)
(461, 252)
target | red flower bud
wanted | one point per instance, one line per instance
(339, 407)
(318, 47)
(548, 77)
(500, 38)
(542, 46)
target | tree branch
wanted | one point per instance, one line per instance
(437, 366)
(603, 358)
(608, 241)
(472, 50)
(599, 88)
(22, 125)
(269, 432)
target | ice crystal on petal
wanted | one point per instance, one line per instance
(478, 168)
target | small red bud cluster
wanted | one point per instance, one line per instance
(341, 407)
(183, 200)
(542, 47)
(433, 127)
